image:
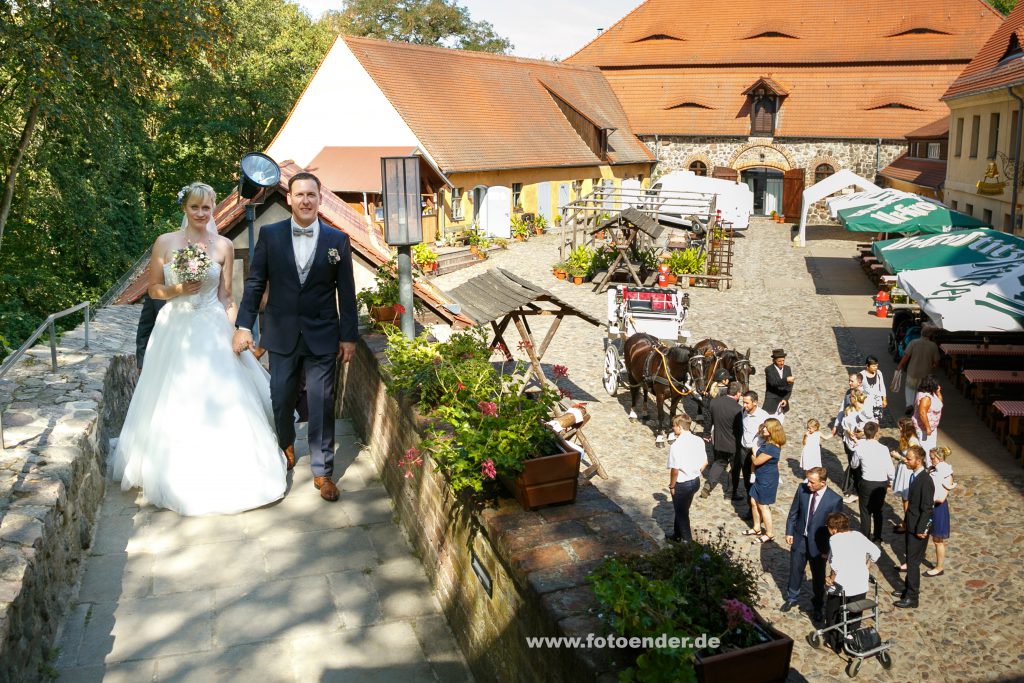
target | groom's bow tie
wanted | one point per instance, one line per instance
(302, 232)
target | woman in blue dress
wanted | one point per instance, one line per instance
(766, 478)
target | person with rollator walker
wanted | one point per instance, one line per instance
(850, 556)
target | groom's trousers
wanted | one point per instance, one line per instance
(284, 389)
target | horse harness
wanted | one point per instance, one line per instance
(652, 378)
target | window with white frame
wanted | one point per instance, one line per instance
(456, 203)
(933, 150)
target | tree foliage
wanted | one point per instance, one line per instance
(1004, 6)
(106, 109)
(425, 22)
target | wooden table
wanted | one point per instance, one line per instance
(979, 377)
(1014, 410)
(955, 350)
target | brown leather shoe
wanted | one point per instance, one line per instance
(289, 456)
(328, 491)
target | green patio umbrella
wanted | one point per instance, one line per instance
(905, 214)
(979, 246)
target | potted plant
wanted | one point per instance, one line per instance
(689, 261)
(540, 224)
(501, 242)
(482, 245)
(560, 270)
(424, 257)
(580, 262)
(692, 588)
(520, 228)
(381, 302)
(717, 237)
(480, 427)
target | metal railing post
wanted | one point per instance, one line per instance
(53, 343)
(86, 347)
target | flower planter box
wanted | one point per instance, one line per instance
(383, 314)
(547, 480)
(763, 663)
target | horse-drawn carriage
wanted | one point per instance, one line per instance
(646, 350)
(659, 312)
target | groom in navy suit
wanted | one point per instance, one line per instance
(808, 536)
(310, 320)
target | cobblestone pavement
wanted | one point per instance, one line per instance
(967, 627)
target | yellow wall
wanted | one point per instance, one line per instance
(531, 178)
(964, 171)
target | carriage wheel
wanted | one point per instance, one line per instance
(612, 371)
(885, 659)
(853, 667)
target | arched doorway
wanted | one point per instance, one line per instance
(766, 184)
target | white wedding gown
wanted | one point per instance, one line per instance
(199, 437)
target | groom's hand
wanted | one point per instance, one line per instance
(241, 341)
(346, 350)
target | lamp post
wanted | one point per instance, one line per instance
(403, 225)
(258, 172)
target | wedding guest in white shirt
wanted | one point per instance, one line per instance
(753, 418)
(687, 458)
(850, 554)
(876, 475)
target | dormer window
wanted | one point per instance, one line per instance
(765, 100)
(1013, 50)
(658, 36)
(771, 34)
(920, 31)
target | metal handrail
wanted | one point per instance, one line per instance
(48, 323)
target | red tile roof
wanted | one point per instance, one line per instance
(985, 71)
(924, 172)
(836, 32)
(822, 101)
(476, 111)
(841, 62)
(935, 129)
(367, 241)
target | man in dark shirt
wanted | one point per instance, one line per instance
(778, 380)
(147, 319)
(920, 502)
(726, 432)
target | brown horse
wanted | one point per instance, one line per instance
(711, 355)
(663, 370)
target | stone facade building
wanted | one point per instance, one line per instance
(782, 94)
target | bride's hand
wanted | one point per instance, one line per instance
(188, 288)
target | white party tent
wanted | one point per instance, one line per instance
(834, 183)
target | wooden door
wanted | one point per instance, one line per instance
(792, 194)
(725, 173)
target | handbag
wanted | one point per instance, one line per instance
(897, 381)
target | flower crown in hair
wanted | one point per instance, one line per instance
(182, 193)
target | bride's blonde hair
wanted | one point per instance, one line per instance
(203, 190)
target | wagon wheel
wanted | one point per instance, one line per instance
(612, 371)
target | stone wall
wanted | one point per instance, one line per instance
(863, 157)
(537, 561)
(56, 427)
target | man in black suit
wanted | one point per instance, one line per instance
(310, 320)
(808, 536)
(147, 319)
(726, 432)
(778, 381)
(920, 501)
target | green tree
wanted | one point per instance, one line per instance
(425, 22)
(1004, 6)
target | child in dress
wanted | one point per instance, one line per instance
(810, 456)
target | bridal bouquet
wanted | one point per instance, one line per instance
(190, 263)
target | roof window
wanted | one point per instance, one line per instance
(689, 105)
(771, 34)
(921, 31)
(658, 36)
(894, 105)
(1013, 50)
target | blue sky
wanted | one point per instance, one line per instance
(537, 28)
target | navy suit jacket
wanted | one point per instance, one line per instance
(323, 308)
(817, 532)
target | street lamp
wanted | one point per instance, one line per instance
(403, 224)
(258, 172)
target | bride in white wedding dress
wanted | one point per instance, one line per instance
(198, 437)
